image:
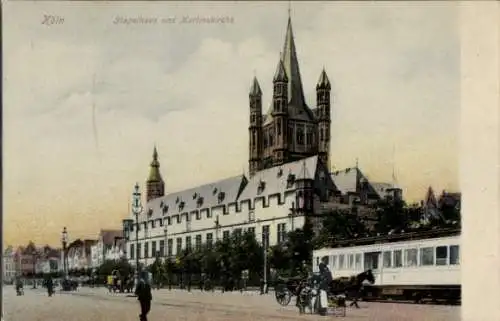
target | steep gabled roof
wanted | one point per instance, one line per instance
(350, 179)
(275, 180)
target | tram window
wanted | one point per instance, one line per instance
(441, 255)
(426, 256)
(317, 261)
(358, 261)
(411, 257)
(341, 261)
(398, 258)
(387, 259)
(351, 261)
(334, 261)
(454, 254)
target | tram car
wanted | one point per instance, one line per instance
(406, 267)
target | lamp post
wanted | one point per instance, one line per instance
(165, 248)
(264, 245)
(136, 209)
(127, 224)
(34, 268)
(64, 240)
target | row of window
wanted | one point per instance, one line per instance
(425, 256)
(300, 138)
(153, 251)
(179, 218)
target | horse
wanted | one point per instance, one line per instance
(351, 286)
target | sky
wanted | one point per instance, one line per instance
(87, 97)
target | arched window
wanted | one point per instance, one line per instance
(279, 127)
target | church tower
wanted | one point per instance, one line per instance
(255, 128)
(323, 88)
(155, 186)
(279, 114)
(289, 130)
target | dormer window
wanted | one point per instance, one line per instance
(181, 206)
(261, 187)
(161, 204)
(195, 195)
(177, 200)
(165, 209)
(290, 180)
(150, 212)
(199, 202)
(214, 191)
(221, 197)
(280, 172)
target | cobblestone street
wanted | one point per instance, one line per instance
(97, 304)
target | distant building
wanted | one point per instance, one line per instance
(106, 247)
(9, 266)
(116, 251)
(433, 206)
(25, 258)
(48, 260)
(79, 254)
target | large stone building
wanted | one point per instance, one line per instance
(289, 177)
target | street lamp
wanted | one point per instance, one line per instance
(127, 224)
(165, 248)
(34, 268)
(64, 240)
(136, 209)
(217, 227)
(265, 234)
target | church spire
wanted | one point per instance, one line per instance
(154, 172)
(291, 64)
(155, 183)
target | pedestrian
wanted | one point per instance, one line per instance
(143, 292)
(50, 286)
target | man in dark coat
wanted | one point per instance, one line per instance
(143, 292)
(50, 285)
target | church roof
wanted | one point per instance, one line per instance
(291, 64)
(154, 172)
(382, 188)
(274, 180)
(255, 89)
(205, 196)
(348, 180)
(297, 107)
(323, 81)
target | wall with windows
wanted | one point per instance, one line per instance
(274, 221)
